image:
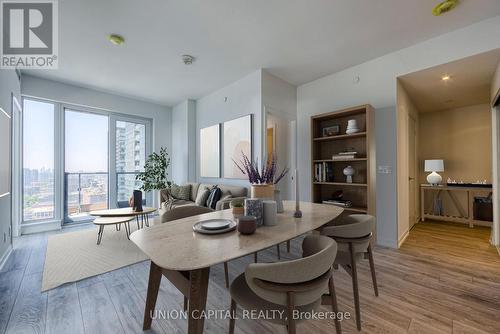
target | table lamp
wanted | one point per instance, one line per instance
(434, 166)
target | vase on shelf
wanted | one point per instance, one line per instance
(352, 127)
(262, 191)
(349, 172)
(279, 201)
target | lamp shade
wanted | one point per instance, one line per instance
(434, 166)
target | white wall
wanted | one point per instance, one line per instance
(386, 191)
(244, 97)
(9, 84)
(377, 86)
(183, 157)
(161, 116)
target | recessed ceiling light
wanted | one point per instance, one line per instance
(445, 77)
(444, 7)
(116, 39)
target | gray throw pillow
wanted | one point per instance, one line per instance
(201, 197)
(181, 192)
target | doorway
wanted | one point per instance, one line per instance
(445, 127)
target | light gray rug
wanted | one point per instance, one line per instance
(74, 256)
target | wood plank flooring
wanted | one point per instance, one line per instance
(445, 279)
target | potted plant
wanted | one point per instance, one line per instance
(154, 176)
(238, 208)
(262, 180)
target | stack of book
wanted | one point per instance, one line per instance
(338, 202)
(323, 172)
(345, 156)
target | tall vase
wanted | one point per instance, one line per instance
(262, 191)
(137, 201)
(279, 201)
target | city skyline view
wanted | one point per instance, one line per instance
(86, 146)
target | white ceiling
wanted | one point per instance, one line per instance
(469, 83)
(296, 40)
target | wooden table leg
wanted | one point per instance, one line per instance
(197, 299)
(153, 287)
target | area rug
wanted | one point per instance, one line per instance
(74, 256)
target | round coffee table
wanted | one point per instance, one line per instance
(117, 221)
(127, 212)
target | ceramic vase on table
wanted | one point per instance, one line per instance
(262, 191)
(254, 207)
(279, 201)
(137, 201)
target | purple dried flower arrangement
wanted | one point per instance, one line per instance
(266, 174)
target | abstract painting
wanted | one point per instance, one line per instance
(210, 151)
(237, 141)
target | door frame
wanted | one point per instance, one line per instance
(416, 211)
(495, 136)
(16, 175)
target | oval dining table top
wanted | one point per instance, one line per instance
(175, 246)
(122, 212)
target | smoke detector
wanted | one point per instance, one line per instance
(188, 59)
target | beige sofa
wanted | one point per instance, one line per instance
(236, 192)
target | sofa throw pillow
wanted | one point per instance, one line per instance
(201, 197)
(214, 197)
(180, 192)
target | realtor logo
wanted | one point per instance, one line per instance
(29, 34)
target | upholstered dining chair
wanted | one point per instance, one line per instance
(353, 237)
(289, 285)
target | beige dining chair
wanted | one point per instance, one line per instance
(353, 237)
(288, 286)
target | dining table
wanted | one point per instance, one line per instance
(184, 256)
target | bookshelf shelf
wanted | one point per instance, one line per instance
(327, 179)
(343, 184)
(339, 137)
(341, 160)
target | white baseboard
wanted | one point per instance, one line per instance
(40, 227)
(5, 256)
(403, 238)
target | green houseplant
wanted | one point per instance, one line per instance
(155, 173)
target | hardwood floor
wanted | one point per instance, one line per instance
(445, 279)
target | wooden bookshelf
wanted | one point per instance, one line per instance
(361, 192)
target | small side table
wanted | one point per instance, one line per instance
(117, 221)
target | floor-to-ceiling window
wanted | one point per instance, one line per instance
(85, 163)
(38, 161)
(78, 159)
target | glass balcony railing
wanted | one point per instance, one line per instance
(84, 192)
